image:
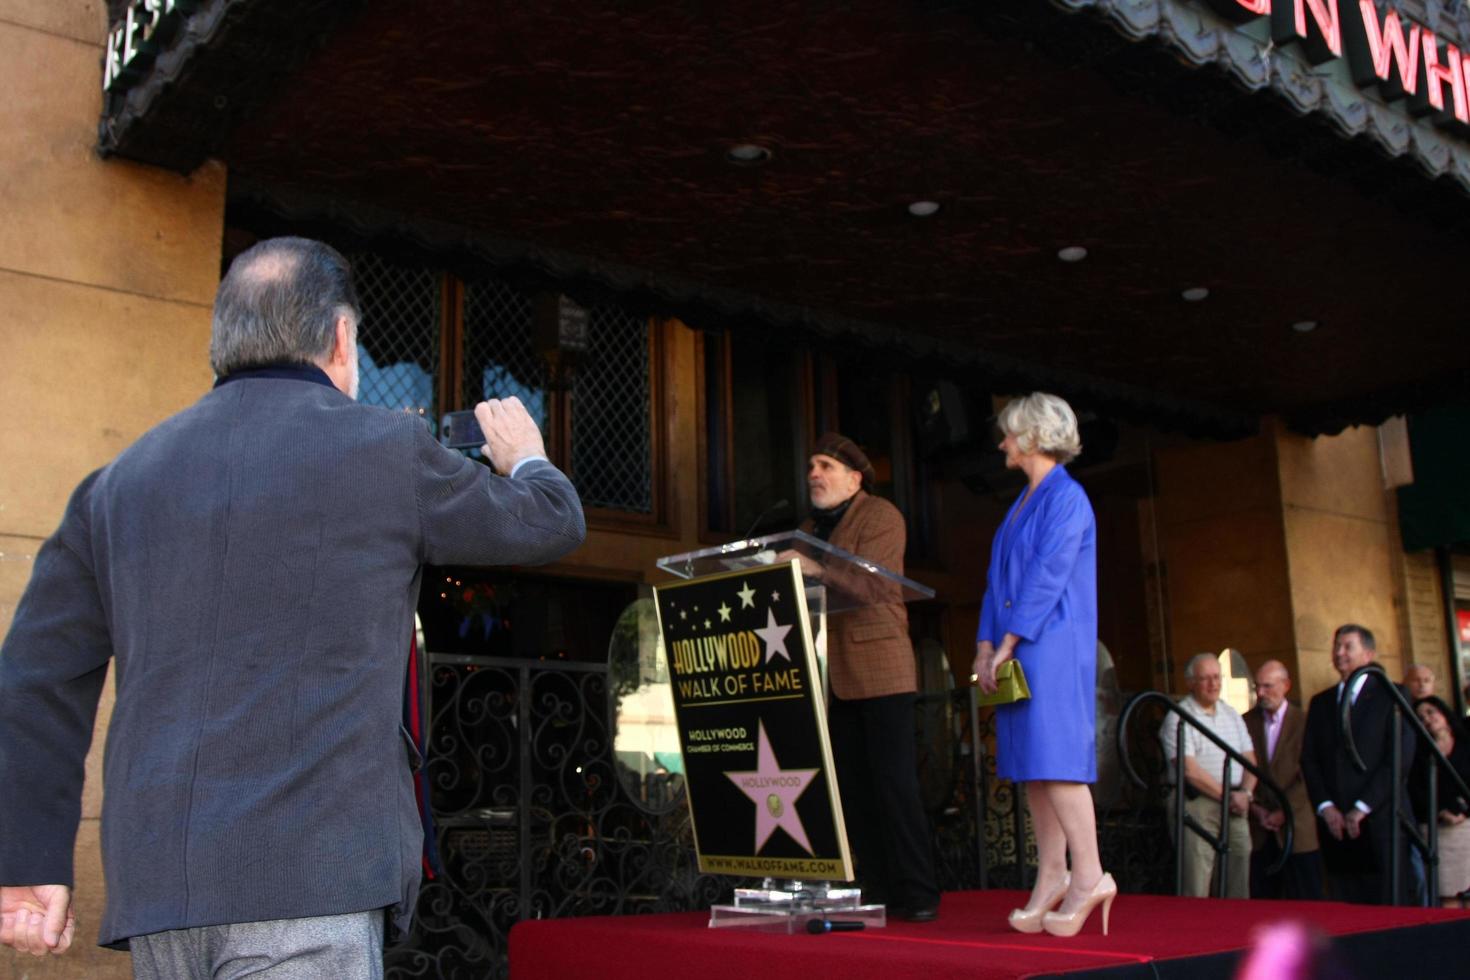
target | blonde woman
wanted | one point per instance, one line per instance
(1040, 608)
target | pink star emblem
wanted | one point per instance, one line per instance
(774, 791)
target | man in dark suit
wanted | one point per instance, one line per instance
(872, 675)
(1354, 809)
(1277, 728)
(251, 565)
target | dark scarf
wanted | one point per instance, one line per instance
(824, 522)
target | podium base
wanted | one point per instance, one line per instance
(792, 920)
(788, 906)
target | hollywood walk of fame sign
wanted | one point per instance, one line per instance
(752, 725)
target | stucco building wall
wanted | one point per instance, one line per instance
(107, 271)
(1223, 543)
(1273, 542)
(1342, 549)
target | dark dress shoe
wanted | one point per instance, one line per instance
(923, 913)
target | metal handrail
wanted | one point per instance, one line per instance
(1220, 843)
(1428, 843)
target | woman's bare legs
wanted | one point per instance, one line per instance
(1051, 843)
(1070, 807)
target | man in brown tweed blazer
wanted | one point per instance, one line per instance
(871, 670)
(1277, 727)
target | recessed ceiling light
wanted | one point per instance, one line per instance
(1072, 253)
(1194, 294)
(748, 154)
(1304, 326)
(922, 209)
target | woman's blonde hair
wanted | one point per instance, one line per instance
(1042, 423)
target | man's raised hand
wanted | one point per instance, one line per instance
(511, 434)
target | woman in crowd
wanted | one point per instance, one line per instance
(1040, 608)
(1454, 830)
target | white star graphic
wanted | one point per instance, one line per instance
(775, 596)
(724, 612)
(683, 614)
(774, 637)
(747, 596)
(774, 791)
(706, 624)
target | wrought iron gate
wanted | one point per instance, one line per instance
(531, 820)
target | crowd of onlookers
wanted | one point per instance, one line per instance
(1340, 843)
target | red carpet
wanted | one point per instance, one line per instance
(970, 941)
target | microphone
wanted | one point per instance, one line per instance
(818, 926)
(778, 507)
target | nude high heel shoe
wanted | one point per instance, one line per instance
(1071, 923)
(1029, 920)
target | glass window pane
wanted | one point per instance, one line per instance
(398, 339)
(612, 437)
(499, 360)
(770, 455)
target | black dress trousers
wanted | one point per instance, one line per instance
(877, 775)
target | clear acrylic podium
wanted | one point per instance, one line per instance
(846, 582)
(852, 581)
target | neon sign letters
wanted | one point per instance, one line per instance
(1401, 57)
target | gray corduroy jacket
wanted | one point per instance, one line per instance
(251, 566)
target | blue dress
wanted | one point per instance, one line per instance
(1042, 586)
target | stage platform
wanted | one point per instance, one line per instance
(1150, 936)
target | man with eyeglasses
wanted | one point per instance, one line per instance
(1277, 727)
(1204, 765)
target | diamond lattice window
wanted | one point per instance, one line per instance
(398, 339)
(612, 462)
(498, 357)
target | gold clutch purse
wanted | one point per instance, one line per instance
(1010, 685)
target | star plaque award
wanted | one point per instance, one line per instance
(751, 713)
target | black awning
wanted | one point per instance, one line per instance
(595, 143)
(211, 65)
